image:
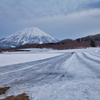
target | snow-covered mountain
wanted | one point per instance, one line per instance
(27, 36)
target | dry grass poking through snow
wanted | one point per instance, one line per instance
(19, 97)
(3, 90)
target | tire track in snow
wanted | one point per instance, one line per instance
(67, 65)
(75, 69)
(80, 66)
(48, 68)
(95, 54)
(24, 66)
(50, 71)
(90, 63)
(91, 57)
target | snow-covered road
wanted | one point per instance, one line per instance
(33, 72)
(70, 76)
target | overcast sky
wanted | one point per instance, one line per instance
(61, 19)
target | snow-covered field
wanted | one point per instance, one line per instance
(45, 74)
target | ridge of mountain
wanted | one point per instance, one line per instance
(26, 36)
(95, 37)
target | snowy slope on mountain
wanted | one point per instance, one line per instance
(27, 36)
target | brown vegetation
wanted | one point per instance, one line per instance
(67, 45)
(98, 43)
(3, 90)
(64, 44)
(60, 46)
(19, 97)
(0, 50)
(14, 50)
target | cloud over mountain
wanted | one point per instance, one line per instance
(49, 16)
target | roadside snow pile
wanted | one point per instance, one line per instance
(66, 75)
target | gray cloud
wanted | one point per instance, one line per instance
(94, 5)
(15, 9)
(68, 26)
(59, 18)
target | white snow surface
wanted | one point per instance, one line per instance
(63, 75)
(9, 58)
(32, 31)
